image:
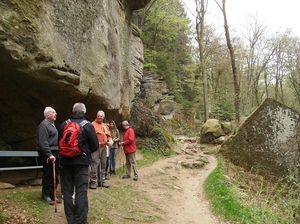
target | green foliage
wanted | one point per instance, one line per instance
(160, 142)
(224, 109)
(165, 29)
(136, 30)
(150, 66)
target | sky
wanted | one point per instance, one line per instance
(278, 15)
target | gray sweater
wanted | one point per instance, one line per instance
(46, 139)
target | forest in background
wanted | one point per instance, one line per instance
(197, 62)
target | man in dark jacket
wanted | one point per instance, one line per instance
(75, 169)
(46, 144)
(129, 146)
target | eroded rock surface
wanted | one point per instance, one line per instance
(56, 53)
(267, 142)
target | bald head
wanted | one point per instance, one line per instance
(50, 114)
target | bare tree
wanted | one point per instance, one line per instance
(236, 84)
(293, 66)
(201, 7)
(258, 57)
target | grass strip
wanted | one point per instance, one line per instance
(225, 202)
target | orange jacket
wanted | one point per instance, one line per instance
(103, 133)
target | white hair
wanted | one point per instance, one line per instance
(79, 108)
(47, 111)
(125, 123)
(101, 112)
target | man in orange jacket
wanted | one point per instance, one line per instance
(129, 146)
(98, 162)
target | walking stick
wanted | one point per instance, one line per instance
(101, 175)
(54, 186)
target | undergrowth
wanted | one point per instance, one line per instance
(247, 198)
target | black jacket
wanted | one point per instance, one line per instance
(89, 142)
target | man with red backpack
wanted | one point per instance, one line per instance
(74, 171)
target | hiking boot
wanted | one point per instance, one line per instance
(135, 178)
(126, 176)
(46, 191)
(93, 186)
(59, 201)
(104, 185)
(48, 200)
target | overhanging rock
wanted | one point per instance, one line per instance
(267, 142)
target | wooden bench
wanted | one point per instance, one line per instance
(20, 154)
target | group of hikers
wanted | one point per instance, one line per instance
(97, 142)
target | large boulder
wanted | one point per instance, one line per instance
(267, 142)
(210, 131)
(56, 53)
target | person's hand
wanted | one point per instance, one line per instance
(52, 159)
(110, 143)
(121, 143)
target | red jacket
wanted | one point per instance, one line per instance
(129, 141)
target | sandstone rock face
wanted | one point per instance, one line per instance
(267, 142)
(152, 104)
(154, 88)
(56, 53)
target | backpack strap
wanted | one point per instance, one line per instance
(68, 121)
(84, 122)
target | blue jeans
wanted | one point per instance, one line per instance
(112, 156)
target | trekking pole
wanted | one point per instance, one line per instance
(54, 191)
(101, 175)
(54, 186)
(109, 166)
(120, 167)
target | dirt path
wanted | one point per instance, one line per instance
(187, 203)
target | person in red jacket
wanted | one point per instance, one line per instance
(129, 147)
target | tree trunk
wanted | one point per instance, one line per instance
(233, 66)
(201, 10)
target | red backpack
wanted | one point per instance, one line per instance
(69, 143)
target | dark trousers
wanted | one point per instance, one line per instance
(47, 180)
(112, 156)
(107, 165)
(75, 179)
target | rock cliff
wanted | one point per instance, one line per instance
(56, 53)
